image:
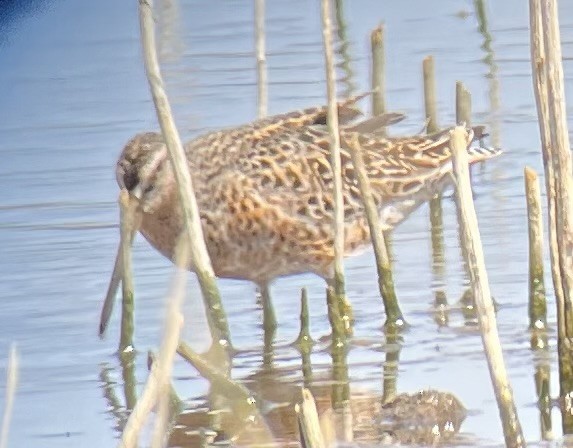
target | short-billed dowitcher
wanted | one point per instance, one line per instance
(265, 189)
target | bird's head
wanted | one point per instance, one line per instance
(144, 170)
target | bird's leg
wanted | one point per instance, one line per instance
(269, 318)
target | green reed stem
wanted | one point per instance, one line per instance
(390, 373)
(334, 317)
(544, 402)
(304, 340)
(336, 164)
(537, 300)
(394, 317)
(127, 228)
(127, 360)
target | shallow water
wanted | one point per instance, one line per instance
(73, 91)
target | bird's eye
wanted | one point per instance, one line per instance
(130, 179)
(148, 189)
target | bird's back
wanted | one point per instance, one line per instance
(265, 190)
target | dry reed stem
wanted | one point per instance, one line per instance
(308, 422)
(430, 105)
(175, 403)
(262, 84)
(479, 281)
(463, 118)
(334, 159)
(378, 70)
(537, 303)
(560, 156)
(550, 97)
(394, 315)
(193, 230)
(539, 85)
(11, 385)
(171, 335)
(157, 387)
(463, 104)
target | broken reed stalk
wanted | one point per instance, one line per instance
(262, 85)
(11, 385)
(394, 317)
(550, 98)
(157, 387)
(175, 403)
(537, 302)
(463, 105)
(269, 317)
(127, 213)
(193, 230)
(479, 282)
(378, 70)
(308, 422)
(335, 163)
(430, 105)
(172, 331)
(304, 340)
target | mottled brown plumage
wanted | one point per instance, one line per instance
(265, 189)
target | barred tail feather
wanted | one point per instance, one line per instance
(480, 153)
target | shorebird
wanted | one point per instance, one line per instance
(265, 190)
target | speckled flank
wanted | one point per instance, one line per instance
(265, 189)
